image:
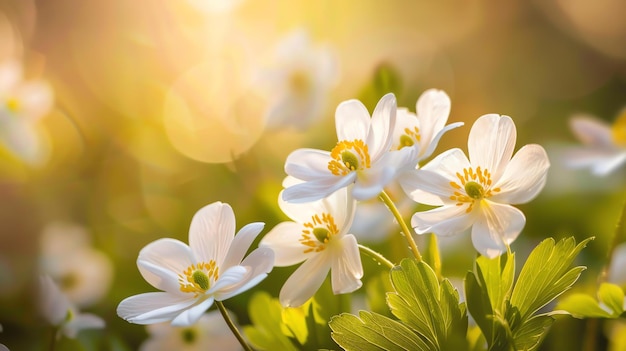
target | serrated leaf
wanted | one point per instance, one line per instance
(530, 335)
(546, 274)
(431, 309)
(371, 331)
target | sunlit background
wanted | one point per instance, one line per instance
(161, 107)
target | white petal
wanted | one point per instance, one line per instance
(153, 307)
(592, 131)
(162, 260)
(317, 189)
(491, 142)
(11, 73)
(241, 243)
(499, 226)
(601, 161)
(192, 314)
(305, 281)
(22, 139)
(80, 322)
(369, 185)
(352, 121)
(432, 145)
(382, 126)
(35, 98)
(433, 108)
(446, 220)
(346, 270)
(231, 276)
(211, 232)
(53, 303)
(284, 240)
(524, 177)
(308, 164)
(258, 264)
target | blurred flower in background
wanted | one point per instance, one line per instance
(83, 273)
(604, 147)
(61, 313)
(299, 78)
(22, 104)
(210, 332)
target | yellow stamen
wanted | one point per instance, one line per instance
(349, 156)
(197, 278)
(12, 104)
(473, 185)
(317, 233)
(410, 137)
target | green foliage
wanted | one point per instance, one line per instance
(430, 316)
(506, 311)
(385, 79)
(610, 303)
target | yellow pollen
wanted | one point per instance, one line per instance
(618, 131)
(410, 137)
(349, 156)
(317, 233)
(473, 185)
(197, 278)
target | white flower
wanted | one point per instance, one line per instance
(2, 347)
(83, 273)
(423, 130)
(477, 192)
(605, 145)
(59, 311)
(22, 103)
(361, 157)
(210, 332)
(192, 277)
(300, 77)
(318, 236)
(616, 273)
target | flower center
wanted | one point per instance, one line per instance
(189, 335)
(472, 186)
(349, 156)
(618, 131)
(300, 81)
(197, 278)
(317, 233)
(410, 137)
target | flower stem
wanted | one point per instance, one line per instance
(53, 339)
(376, 256)
(405, 229)
(232, 326)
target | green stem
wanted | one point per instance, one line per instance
(53, 338)
(405, 229)
(232, 326)
(618, 236)
(432, 252)
(376, 256)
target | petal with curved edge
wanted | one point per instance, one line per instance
(23, 140)
(429, 148)
(211, 232)
(498, 227)
(228, 278)
(524, 177)
(352, 121)
(318, 189)
(80, 322)
(259, 263)
(284, 240)
(346, 269)
(154, 307)
(491, 142)
(446, 220)
(369, 185)
(241, 243)
(592, 131)
(162, 260)
(305, 281)
(433, 109)
(191, 315)
(308, 164)
(382, 126)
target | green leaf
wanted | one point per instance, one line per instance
(546, 275)
(267, 331)
(530, 335)
(498, 274)
(431, 309)
(610, 304)
(373, 332)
